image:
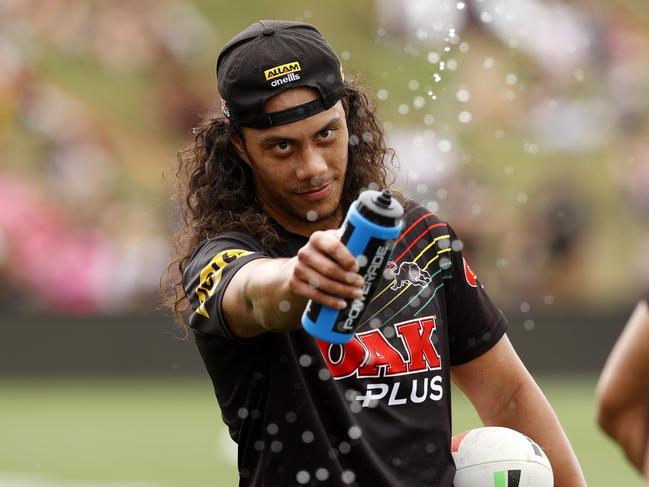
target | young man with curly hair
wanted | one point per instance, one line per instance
(265, 186)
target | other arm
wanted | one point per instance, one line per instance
(271, 294)
(504, 394)
(623, 387)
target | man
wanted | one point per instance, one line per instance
(623, 389)
(265, 187)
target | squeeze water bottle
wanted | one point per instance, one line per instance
(369, 231)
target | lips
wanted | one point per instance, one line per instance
(317, 193)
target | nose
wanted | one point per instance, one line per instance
(312, 165)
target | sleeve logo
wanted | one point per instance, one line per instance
(211, 276)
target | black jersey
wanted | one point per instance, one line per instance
(374, 412)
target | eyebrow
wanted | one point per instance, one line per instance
(274, 139)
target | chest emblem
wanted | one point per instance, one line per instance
(407, 273)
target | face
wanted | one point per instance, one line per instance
(299, 168)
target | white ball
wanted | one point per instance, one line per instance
(499, 457)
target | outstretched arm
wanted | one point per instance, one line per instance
(271, 294)
(623, 388)
(505, 394)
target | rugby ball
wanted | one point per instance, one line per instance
(499, 457)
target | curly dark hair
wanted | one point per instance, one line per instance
(216, 191)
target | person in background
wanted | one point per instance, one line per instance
(623, 389)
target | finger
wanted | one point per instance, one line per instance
(329, 244)
(326, 285)
(301, 288)
(322, 264)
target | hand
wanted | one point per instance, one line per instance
(325, 271)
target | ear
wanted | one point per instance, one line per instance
(240, 148)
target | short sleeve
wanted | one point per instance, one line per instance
(475, 322)
(208, 273)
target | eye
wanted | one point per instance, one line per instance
(282, 146)
(326, 134)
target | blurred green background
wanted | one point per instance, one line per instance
(522, 123)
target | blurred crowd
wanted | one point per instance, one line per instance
(524, 101)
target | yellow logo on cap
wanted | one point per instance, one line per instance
(277, 71)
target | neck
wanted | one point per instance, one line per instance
(306, 228)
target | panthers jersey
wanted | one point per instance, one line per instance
(375, 411)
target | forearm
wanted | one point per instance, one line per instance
(529, 412)
(267, 294)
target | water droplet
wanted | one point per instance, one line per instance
(344, 447)
(465, 117)
(396, 461)
(431, 447)
(441, 193)
(272, 428)
(324, 374)
(499, 133)
(243, 413)
(418, 102)
(436, 78)
(476, 209)
(511, 79)
(413, 85)
(509, 170)
(486, 17)
(307, 14)
(361, 260)
(305, 360)
(291, 417)
(442, 65)
(355, 432)
(457, 245)
(375, 322)
(488, 63)
(322, 474)
(444, 145)
(464, 47)
(460, 5)
(346, 55)
(276, 446)
(348, 476)
(433, 57)
(422, 188)
(446, 49)
(311, 215)
(521, 198)
(353, 140)
(259, 445)
(525, 307)
(578, 74)
(548, 299)
(308, 437)
(529, 325)
(367, 137)
(303, 477)
(429, 119)
(404, 109)
(284, 306)
(380, 32)
(463, 95)
(502, 263)
(382, 94)
(388, 332)
(451, 64)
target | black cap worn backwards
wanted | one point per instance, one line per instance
(269, 57)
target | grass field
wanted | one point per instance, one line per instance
(167, 432)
